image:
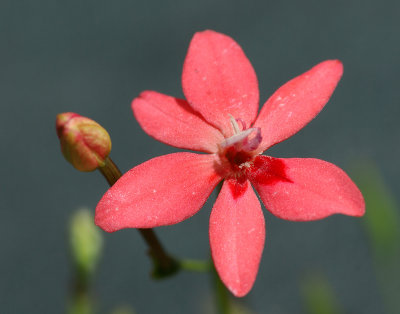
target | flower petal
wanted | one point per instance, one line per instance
(218, 80)
(237, 234)
(162, 191)
(297, 102)
(172, 121)
(303, 189)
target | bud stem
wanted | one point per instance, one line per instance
(164, 264)
(110, 171)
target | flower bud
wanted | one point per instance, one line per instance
(85, 242)
(84, 142)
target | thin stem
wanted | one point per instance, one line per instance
(196, 265)
(221, 295)
(165, 264)
(110, 171)
(81, 301)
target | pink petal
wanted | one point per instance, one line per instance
(162, 191)
(303, 189)
(174, 122)
(218, 80)
(237, 234)
(297, 102)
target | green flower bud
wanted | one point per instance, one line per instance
(85, 242)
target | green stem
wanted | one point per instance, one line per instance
(195, 265)
(110, 171)
(164, 264)
(221, 294)
(81, 302)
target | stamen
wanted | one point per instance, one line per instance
(242, 123)
(242, 139)
(235, 125)
(237, 138)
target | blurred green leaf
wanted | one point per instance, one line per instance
(238, 307)
(381, 217)
(318, 296)
(126, 309)
(81, 304)
(382, 224)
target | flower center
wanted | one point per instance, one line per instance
(238, 151)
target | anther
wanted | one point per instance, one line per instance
(235, 125)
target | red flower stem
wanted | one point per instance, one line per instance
(165, 264)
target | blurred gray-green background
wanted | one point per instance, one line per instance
(94, 57)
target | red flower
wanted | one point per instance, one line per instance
(220, 118)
